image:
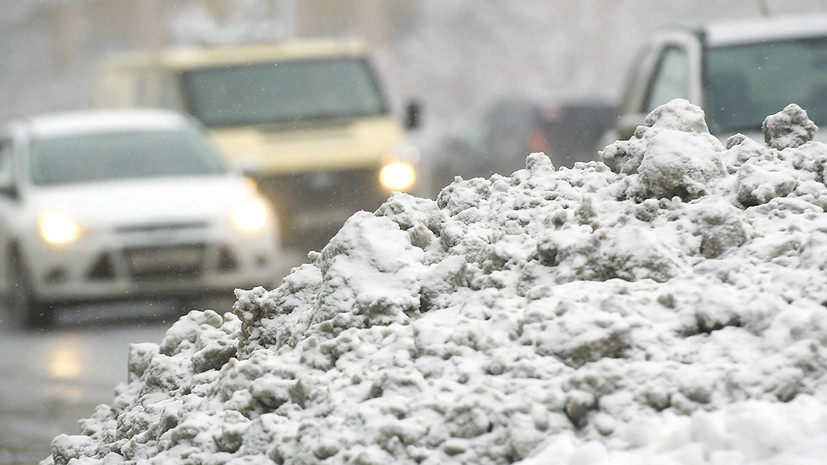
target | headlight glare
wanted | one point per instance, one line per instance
(397, 176)
(58, 229)
(250, 215)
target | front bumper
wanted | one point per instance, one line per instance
(158, 261)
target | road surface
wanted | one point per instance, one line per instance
(51, 379)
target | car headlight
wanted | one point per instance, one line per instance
(250, 215)
(58, 229)
(397, 175)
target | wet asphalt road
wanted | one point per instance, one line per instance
(51, 379)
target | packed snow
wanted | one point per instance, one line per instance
(665, 305)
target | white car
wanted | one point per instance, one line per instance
(121, 205)
(738, 72)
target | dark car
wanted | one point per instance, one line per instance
(503, 135)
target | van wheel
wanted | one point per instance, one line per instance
(29, 313)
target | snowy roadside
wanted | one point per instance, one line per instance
(664, 305)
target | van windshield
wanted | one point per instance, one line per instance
(120, 155)
(744, 83)
(264, 93)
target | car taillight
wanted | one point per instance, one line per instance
(536, 141)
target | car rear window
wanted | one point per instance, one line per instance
(119, 155)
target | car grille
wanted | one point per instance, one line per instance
(155, 227)
(166, 262)
(352, 190)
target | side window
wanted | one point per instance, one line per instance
(145, 87)
(156, 88)
(6, 162)
(671, 79)
(171, 92)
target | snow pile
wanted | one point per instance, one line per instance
(662, 306)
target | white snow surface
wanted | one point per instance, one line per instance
(665, 305)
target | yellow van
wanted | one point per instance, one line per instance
(308, 120)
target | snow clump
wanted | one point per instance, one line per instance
(664, 305)
(788, 128)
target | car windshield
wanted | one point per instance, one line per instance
(265, 93)
(744, 83)
(118, 155)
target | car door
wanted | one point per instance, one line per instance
(669, 69)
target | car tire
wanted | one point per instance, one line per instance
(25, 309)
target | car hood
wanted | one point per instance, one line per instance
(135, 202)
(311, 146)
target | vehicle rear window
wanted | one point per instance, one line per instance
(119, 155)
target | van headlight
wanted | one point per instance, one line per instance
(398, 176)
(58, 229)
(250, 216)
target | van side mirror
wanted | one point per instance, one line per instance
(7, 186)
(413, 114)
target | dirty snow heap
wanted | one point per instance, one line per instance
(664, 305)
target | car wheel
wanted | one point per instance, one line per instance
(29, 313)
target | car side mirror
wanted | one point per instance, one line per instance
(7, 186)
(413, 115)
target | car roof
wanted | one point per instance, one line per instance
(185, 58)
(97, 121)
(754, 30)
